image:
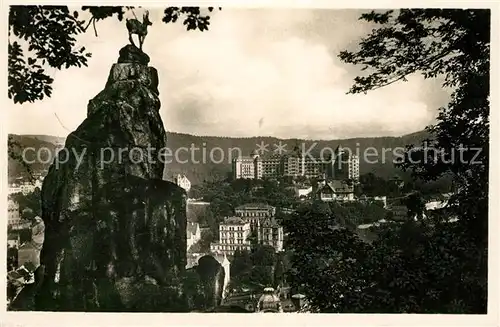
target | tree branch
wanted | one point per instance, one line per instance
(95, 30)
(90, 21)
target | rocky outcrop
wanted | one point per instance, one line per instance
(115, 232)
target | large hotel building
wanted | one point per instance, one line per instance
(342, 165)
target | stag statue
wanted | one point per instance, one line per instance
(134, 26)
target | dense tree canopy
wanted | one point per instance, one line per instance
(416, 266)
(454, 44)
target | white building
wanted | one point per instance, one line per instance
(253, 212)
(26, 187)
(233, 235)
(353, 167)
(303, 191)
(247, 167)
(13, 215)
(14, 188)
(193, 232)
(183, 182)
(270, 233)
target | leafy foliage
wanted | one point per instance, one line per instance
(417, 266)
(263, 255)
(412, 267)
(50, 33)
(194, 19)
(454, 44)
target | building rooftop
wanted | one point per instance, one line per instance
(269, 222)
(253, 206)
(233, 221)
(338, 186)
(12, 237)
(245, 158)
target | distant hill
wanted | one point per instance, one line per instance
(30, 146)
(197, 165)
(47, 138)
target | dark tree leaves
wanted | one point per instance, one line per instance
(419, 266)
(454, 44)
(50, 35)
(193, 17)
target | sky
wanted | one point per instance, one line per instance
(256, 72)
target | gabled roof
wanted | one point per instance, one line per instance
(337, 186)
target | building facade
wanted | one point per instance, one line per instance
(247, 167)
(270, 233)
(293, 165)
(340, 165)
(183, 182)
(253, 212)
(353, 168)
(271, 166)
(233, 235)
(336, 190)
(13, 214)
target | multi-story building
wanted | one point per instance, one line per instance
(13, 215)
(344, 165)
(353, 168)
(233, 235)
(183, 182)
(271, 166)
(249, 167)
(293, 165)
(341, 165)
(314, 167)
(253, 212)
(270, 233)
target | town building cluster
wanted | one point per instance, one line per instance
(25, 187)
(253, 219)
(341, 165)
